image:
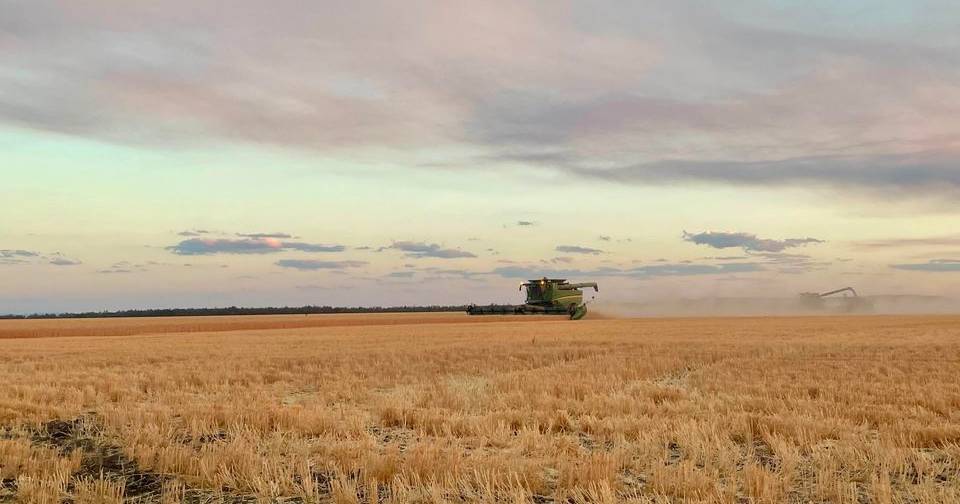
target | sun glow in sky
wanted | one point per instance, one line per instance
(161, 154)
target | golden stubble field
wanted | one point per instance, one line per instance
(437, 408)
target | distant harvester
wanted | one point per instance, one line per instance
(847, 303)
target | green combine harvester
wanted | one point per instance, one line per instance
(546, 296)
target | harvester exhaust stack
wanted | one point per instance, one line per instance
(545, 296)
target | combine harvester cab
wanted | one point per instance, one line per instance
(546, 296)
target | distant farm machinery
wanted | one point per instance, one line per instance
(546, 296)
(850, 302)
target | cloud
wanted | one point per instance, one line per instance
(329, 83)
(917, 172)
(455, 272)
(930, 241)
(689, 269)
(10, 257)
(225, 246)
(325, 287)
(264, 235)
(311, 247)
(565, 260)
(202, 246)
(14, 257)
(657, 270)
(746, 241)
(422, 249)
(194, 232)
(401, 274)
(18, 253)
(760, 94)
(128, 267)
(604, 238)
(576, 249)
(310, 264)
(63, 261)
(935, 265)
(526, 223)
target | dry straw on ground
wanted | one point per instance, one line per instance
(860, 409)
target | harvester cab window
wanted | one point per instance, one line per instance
(534, 291)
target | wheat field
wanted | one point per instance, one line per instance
(446, 408)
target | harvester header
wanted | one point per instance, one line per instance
(545, 296)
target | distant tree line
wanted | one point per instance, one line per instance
(237, 310)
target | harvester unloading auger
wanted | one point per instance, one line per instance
(546, 296)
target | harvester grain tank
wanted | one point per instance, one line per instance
(546, 296)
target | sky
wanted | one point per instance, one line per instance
(178, 154)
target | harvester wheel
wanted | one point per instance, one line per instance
(572, 309)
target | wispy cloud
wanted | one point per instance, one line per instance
(310, 264)
(17, 256)
(193, 232)
(313, 247)
(931, 171)
(264, 235)
(202, 246)
(656, 270)
(112, 271)
(934, 265)
(525, 223)
(928, 241)
(124, 267)
(12, 257)
(18, 253)
(423, 249)
(63, 261)
(576, 249)
(325, 287)
(747, 241)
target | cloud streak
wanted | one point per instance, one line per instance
(18, 253)
(265, 235)
(11, 257)
(935, 171)
(935, 266)
(576, 249)
(647, 271)
(311, 265)
(63, 261)
(747, 241)
(423, 249)
(930, 241)
(202, 246)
